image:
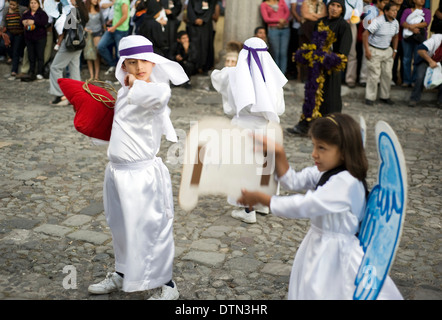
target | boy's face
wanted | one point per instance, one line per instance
(13, 5)
(392, 13)
(184, 39)
(231, 61)
(381, 4)
(261, 33)
(141, 69)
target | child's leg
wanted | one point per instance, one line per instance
(90, 67)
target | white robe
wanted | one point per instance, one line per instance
(245, 117)
(329, 257)
(137, 193)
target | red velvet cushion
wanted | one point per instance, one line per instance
(92, 118)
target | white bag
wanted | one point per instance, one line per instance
(433, 77)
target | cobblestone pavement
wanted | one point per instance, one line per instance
(52, 225)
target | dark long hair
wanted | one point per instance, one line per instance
(343, 131)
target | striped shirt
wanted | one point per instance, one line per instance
(12, 23)
(382, 31)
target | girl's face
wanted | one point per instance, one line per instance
(34, 5)
(326, 156)
(141, 69)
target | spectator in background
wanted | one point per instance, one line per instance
(66, 58)
(173, 9)
(375, 9)
(311, 12)
(154, 24)
(353, 11)
(183, 52)
(200, 30)
(295, 10)
(113, 35)
(95, 28)
(276, 14)
(332, 100)
(34, 21)
(429, 54)
(11, 25)
(400, 52)
(2, 8)
(410, 43)
(107, 9)
(380, 43)
(261, 32)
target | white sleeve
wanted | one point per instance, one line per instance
(220, 81)
(153, 96)
(336, 196)
(305, 179)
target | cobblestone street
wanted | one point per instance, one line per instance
(52, 221)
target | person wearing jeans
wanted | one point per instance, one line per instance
(276, 15)
(429, 54)
(279, 44)
(113, 35)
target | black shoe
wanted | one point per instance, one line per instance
(299, 129)
(369, 102)
(387, 101)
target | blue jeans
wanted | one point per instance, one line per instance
(15, 50)
(416, 93)
(279, 44)
(410, 51)
(108, 39)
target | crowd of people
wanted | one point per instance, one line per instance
(32, 36)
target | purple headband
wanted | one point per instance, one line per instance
(136, 50)
(254, 52)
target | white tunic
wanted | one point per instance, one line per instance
(329, 257)
(137, 192)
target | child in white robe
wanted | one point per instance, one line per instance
(329, 257)
(252, 93)
(137, 192)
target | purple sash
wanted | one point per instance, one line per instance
(254, 52)
(136, 50)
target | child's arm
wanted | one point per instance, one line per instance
(152, 96)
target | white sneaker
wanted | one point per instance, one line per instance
(262, 209)
(110, 70)
(112, 282)
(167, 293)
(40, 77)
(244, 216)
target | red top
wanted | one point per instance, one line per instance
(272, 17)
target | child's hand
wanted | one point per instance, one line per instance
(251, 198)
(262, 143)
(129, 80)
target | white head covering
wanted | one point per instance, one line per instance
(256, 79)
(139, 47)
